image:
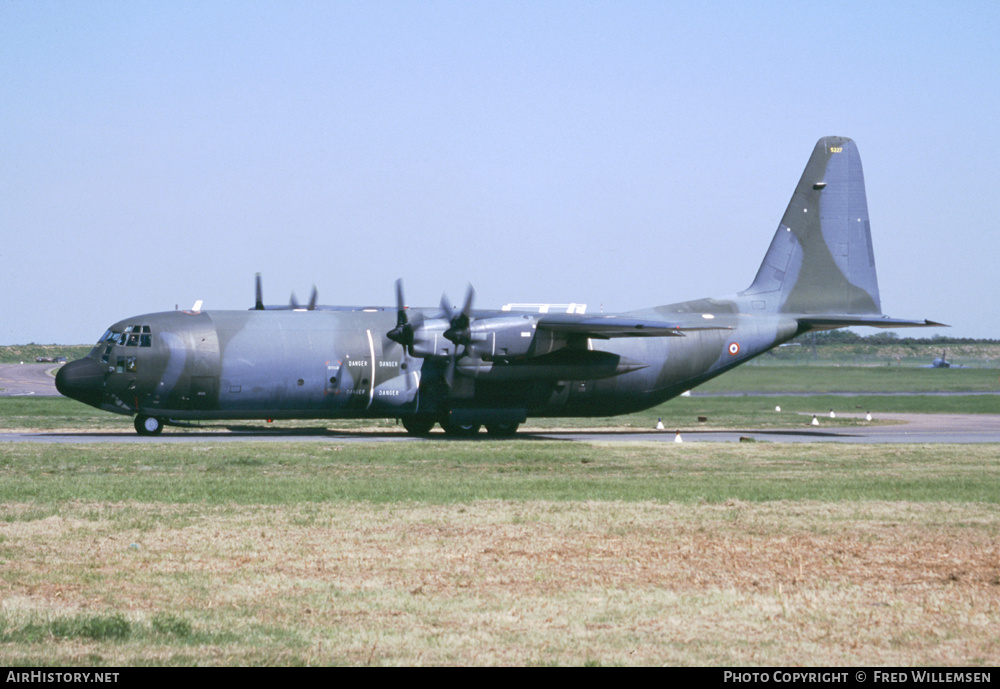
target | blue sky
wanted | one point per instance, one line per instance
(619, 154)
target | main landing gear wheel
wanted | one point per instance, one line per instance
(460, 430)
(418, 426)
(502, 430)
(148, 425)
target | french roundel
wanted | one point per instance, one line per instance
(734, 348)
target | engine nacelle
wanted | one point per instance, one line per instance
(429, 340)
(502, 338)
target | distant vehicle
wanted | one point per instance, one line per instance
(463, 368)
(50, 360)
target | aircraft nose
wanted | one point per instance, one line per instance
(83, 380)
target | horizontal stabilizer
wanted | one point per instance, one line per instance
(827, 322)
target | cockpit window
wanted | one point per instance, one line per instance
(130, 336)
(133, 336)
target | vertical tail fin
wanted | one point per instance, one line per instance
(821, 260)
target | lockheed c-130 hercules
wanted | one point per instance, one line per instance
(465, 368)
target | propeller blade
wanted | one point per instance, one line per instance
(469, 296)
(400, 304)
(459, 332)
(403, 332)
(446, 308)
(449, 373)
(259, 304)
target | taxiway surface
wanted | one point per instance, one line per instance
(907, 428)
(19, 380)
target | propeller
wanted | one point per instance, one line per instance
(312, 301)
(418, 337)
(259, 305)
(403, 332)
(293, 302)
(458, 331)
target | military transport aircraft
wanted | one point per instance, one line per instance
(464, 368)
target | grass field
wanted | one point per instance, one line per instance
(500, 552)
(14, 354)
(477, 553)
(876, 379)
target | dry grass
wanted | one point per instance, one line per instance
(495, 582)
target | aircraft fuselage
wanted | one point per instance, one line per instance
(281, 364)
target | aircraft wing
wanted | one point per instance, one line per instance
(606, 327)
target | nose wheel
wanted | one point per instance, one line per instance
(148, 425)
